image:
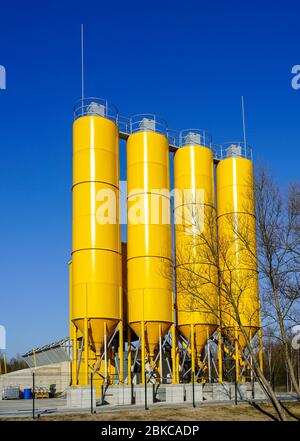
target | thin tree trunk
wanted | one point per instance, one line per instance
(284, 341)
(262, 379)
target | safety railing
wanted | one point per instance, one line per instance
(124, 124)
(148, 123)
(194, 137)
(173, 137)
(93, 106)
(234, 149)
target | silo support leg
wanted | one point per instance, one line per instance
(237, 358)
(220, 355)
(75, 356)
(129, 356)
(192, 350)
(105, 353)
(208, 355)
(121, 352)
(160, 357)
(143, 352)
(173, 353)
(86, 351)
(261, 360)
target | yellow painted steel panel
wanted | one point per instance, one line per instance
(195, 228)
(95, 150)
(235, 184)
(237, 239)
(149, 240)
(95, 220)
(147, 163)
(237, 245)
(149, 232)
(194, 169)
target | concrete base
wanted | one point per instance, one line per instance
(259, 392)
(119, 395)
(218, 392)
(189, 392)
(139, 394)
(174, 393)
(80, 397)
(226, 391)
(245, 391)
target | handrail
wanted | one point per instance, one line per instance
(94, 106)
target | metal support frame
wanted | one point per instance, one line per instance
(193, 361)
(260, 355)
(121, 352)
(79, 359)
(220, 354)
(74, 355)
(186, 350)
(143, 352)
(135, 361)
(160, 356)
(174, 355)
(237, 357)
(105, 353)
(208, 356)
(128, 355)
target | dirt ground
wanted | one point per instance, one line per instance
(242, 412)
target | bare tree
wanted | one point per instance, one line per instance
(205, 266)
(278, 228)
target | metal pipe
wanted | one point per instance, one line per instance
(121, 352)
(82, 70)
(86, 351)
(136, 355)
(145, 381)
(34, 359)
(143, 370)
(74, 361)
(79, 359)
(173, 354)
(128, 355)
(33, 395)
(160, 357)
(105, 353)
(235, 389)
(261, 361)
(193, 388)
(185, 353)
(208, 357)
(168, 363)
(192, 349)
(237, 358)
(92, 404)
(97, 365)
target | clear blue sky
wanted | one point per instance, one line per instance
(188, 61)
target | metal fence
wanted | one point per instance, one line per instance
(33, 394)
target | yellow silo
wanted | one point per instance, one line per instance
(149, 252)
(96, 244)
(237, 244)
(196, 254)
